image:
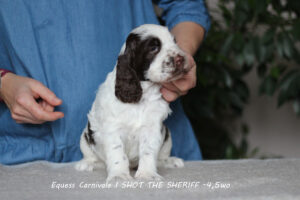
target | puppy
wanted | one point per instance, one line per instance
(125, 124)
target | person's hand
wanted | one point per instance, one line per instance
(21, 94)
(172, 90)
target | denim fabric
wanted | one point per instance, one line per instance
(70, 46)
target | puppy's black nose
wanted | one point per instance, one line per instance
(178, 61)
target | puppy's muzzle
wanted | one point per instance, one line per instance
(180, 64)
(178, 61)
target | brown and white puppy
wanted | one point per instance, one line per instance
(125, 125)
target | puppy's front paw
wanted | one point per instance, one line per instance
(171, 162)
(119, 176)
(89, 165)
(142, 175)
(84, 165)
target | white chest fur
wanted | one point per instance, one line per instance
(128, 120)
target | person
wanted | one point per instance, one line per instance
(58, 52)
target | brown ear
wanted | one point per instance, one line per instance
(127, 87)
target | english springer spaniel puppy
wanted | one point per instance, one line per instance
(125, 124)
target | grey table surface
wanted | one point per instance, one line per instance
(239, 179)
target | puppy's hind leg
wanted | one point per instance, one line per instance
(90, 160)
(164, 160)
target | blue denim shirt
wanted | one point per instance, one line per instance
(70, 46)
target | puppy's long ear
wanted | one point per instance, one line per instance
(127, 87)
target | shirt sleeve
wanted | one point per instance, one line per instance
(175, 12)
(5, 61)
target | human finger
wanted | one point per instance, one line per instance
(41, 91)
(39, 113)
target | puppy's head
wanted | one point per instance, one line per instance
(150, 54)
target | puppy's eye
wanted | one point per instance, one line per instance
(154, 49)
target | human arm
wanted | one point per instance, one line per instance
(188, 21)
(189, 36)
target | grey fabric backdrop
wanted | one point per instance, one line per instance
(242, 179)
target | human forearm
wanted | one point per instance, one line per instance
(189, 36)
(3, 72)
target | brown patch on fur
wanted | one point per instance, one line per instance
(127, 87)
(89, 135)
(137, 57)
